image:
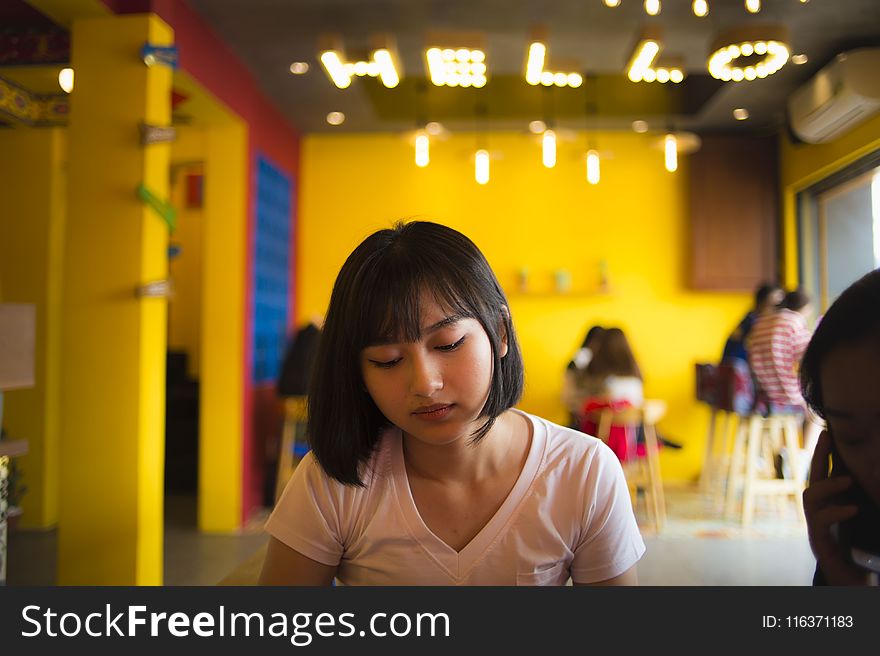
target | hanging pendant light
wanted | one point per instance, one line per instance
(670, 151)
(423, 144)
(548, 148)
(481, 167)
(593, 172)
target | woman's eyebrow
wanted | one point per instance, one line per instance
(448, 321)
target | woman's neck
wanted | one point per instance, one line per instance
(505, 445)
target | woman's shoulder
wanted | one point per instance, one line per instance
(575, 461)
(562, 441)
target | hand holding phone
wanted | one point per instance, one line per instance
(861, 532)
(831, 501)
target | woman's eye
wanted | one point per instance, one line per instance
(453, 346)
(387, 364)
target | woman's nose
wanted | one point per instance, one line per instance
(425, 377)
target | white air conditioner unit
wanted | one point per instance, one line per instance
(837, 98)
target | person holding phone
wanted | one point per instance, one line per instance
(840, 380)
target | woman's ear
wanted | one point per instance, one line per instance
(505, 319)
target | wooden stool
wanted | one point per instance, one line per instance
(758, 443)
(292, 438)
(717, 455)
(729, 391)
(643, 472)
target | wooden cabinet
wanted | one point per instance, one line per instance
(734, 213)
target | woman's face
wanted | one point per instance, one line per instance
(850, 377)
(434, 389)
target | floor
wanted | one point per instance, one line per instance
(696, 547)
(699, 547)
(191, 558)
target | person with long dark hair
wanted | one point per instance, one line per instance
(421, 471)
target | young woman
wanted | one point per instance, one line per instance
(613, 379)
(421, 473)
(840, 380)
(614, 372)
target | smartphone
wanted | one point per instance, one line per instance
(860, 534)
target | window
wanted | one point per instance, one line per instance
(839, 230)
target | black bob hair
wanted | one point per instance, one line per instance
(764, 291)
(795, 300)
(376, 298)
(852, 318)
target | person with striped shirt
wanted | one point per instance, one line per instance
(776, 345)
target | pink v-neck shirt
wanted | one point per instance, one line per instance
(569, 514)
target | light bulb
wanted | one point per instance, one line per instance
(670, 150)
(593, 173)
(481, 167)
(701, 8)
(65, 79)
(652, 7)
(753, 6)
(422, 150)
(548, 148)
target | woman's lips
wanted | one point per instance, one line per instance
(433, 412)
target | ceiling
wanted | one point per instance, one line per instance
(268, 35)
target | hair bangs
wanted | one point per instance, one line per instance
(392, 293)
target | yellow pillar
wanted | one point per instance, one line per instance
(33, 190)
(221, 418)
(113, 343)
(224, 150)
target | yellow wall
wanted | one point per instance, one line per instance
(636, 219)
(32, 189)
(803, 165)
(185, 270)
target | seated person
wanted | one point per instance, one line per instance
(613, 373)
(767, 297)
(775, 345)
(613, 378)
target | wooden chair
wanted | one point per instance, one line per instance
(293, 440)
(641, 472)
